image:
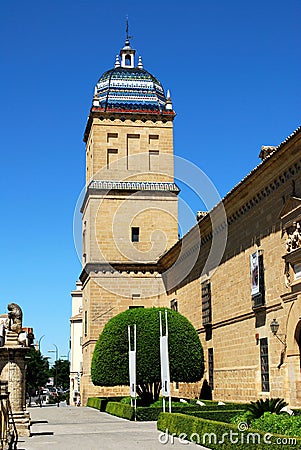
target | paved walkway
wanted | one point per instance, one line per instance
(72, 428)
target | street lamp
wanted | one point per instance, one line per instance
(274, 327)
(66, 356)
(56, 351)
(39, 344)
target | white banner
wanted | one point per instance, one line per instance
(164, 359)
(132, 371)
(165, 376)
(254, 270)
(132, 363)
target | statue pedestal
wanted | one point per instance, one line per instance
(12, 370)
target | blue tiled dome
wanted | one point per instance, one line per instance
(129, 90)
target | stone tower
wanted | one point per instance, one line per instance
(130, 208)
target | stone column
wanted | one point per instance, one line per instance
(12, 370)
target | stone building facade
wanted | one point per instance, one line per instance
(244, 359)
(132, 256)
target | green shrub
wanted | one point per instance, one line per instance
(94, 402)
(279, 423)
(110, 365)
(127, 401)
(218, 416)
(152, 413)
(273, 405)
(209, 405)
(120, 410)
(146, 414)
(216, 435)
(244, 416)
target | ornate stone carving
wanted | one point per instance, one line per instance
(293, 237)
(15, 317)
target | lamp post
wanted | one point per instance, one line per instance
(66, 356)
(56, 351)
(39, 344)
(274, 325)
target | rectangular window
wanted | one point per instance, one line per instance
(153, 137)
(135, 234)
(86, 323)
(206, 303)
(264, 365)
(133, 148)
(111, 136)
(210, 368)
(153, 160)
(112, 155)
(174, 305)
(135, 306)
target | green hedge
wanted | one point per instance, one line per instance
(222, 415)
(216, 435)
(145, 414)
(218, 416)
(94, 402)
(100, 403)
(226, 411)
(209, 406)
(120, 410)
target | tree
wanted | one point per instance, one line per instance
(110, 358)
(37, 372)
(60, 371)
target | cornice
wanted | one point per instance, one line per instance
(113, 114)
(130, 267)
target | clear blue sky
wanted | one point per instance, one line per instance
(234, 72)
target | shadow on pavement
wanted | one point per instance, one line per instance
(42, 433)
(33, 422)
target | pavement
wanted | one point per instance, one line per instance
(71, 427)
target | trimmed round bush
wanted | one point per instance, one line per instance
(110, 358)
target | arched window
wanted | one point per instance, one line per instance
(127, 60)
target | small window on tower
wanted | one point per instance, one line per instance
(127, 60)
(135, 234)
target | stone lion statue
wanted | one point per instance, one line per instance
(15, 317)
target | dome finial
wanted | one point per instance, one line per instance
(168, 104)
(95, 97)
(117, 62)
(140, 63)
